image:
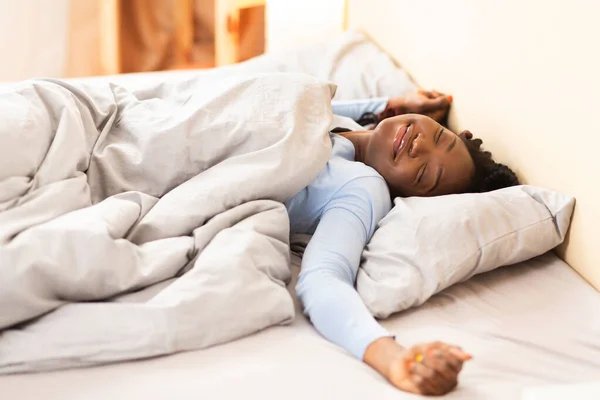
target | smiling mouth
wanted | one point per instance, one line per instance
(401, 139)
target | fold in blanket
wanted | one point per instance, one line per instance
(135, 224)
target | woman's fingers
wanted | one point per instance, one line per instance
(426, 93)
(458, 353)
(438, 103)
(455, 357)
(431, 94)
(454, 363)
(426, 379)
(446, 361)
(438, 361)
(437, 108)
(432, 368)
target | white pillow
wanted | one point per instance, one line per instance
(425, 245)
(351, 60)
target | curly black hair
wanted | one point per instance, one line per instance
(489, 175)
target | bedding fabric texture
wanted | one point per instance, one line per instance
(351, 60)
(527, 326)
(144, 212)
(141, 223)
(425, 245)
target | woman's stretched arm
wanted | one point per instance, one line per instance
(326, 290)
(355, 109)
(431, 103)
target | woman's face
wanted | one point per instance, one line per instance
(418, 157)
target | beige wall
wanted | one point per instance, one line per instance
(525, 75)
(33, 38)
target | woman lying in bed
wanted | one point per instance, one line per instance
(407, 154)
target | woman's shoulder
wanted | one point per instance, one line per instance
(368, 185)
(365, 194)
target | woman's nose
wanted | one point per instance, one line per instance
(419, 147)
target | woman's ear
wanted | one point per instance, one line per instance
(466, 134)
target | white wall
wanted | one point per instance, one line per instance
(33, 38)
(525, 75)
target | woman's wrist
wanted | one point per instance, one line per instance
(395, 106)
(427, 368)
(382, 354)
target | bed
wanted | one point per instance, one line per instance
(529, 325)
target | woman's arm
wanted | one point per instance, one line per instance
(355, 109)
(326, 283)
(326, 289)
(430, 103)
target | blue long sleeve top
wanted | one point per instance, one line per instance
(341, 209)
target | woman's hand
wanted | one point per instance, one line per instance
(431, 103)
(427, 369)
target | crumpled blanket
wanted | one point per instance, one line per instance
(141, 223)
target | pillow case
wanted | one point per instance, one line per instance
(351, 60)
(425, 245)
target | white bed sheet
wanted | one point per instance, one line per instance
(529, 325)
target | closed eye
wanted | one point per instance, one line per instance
(439, 134)
(452, 143)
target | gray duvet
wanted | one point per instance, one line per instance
(141, 223)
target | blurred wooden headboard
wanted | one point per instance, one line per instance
(525, 77)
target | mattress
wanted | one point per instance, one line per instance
(528, 325)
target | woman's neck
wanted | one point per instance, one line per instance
(360, 140)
